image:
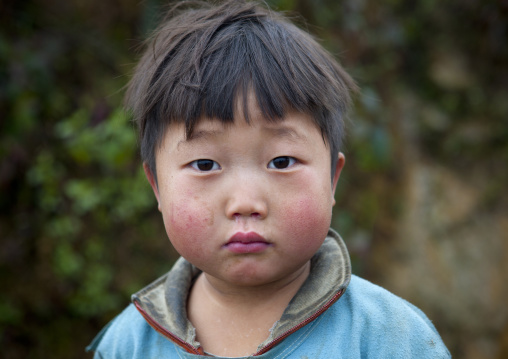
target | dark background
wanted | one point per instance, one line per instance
(422, 202)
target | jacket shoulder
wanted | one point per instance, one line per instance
(128, 336)
(381, 324)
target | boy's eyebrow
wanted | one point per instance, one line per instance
(277, 131)
(199, 134)
(287, 132)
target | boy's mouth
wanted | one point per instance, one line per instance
(250, 242)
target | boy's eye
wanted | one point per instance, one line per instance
(281, 162)
(205, 165)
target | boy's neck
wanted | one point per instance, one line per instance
(234, 320)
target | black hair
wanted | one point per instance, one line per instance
(204, 58)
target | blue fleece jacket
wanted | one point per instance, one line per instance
(362, 321)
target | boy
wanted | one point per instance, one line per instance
(241, 116)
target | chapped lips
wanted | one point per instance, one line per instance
(250, 242)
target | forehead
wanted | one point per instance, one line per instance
(296, 128)
(293, 126)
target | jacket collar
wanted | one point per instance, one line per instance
(163, 303)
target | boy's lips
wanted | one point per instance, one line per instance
(250, 242)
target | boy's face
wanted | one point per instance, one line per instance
(248, 204)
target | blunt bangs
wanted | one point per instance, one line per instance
(203, 63)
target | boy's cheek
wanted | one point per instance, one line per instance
(307, 217)
(190, 217)
(187, 224)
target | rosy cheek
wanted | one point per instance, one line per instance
(307, 220)
(186, 226)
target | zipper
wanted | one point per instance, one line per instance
(189, 348)
(301, 325)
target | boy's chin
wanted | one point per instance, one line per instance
(255, 278)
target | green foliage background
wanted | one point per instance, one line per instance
(79, 228)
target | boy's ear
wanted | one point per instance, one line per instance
(341, 161)
(150, 177)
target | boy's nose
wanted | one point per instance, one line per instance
(246, 201)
